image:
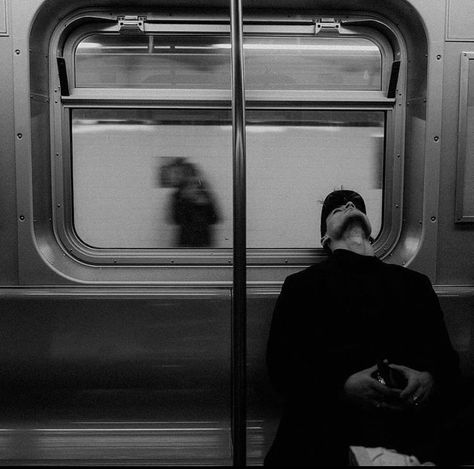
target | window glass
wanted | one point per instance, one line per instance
(179, 61)
(305, 63)
(152, 179)
(203, 62)
(162, 179)
(295, 158)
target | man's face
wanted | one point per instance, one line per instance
(344, 215)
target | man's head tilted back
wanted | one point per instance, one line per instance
(341, 210)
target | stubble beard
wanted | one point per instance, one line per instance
(355, 219)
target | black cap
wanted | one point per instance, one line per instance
(336, 199)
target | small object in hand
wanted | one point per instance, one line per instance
(388, 376)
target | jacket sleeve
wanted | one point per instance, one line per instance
(302, 357)
(282, 356)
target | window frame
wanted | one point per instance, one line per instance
(388, 40)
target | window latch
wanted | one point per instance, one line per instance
(326, 25)
(131, 24)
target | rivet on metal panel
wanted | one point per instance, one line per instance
(398, 155)
(59, 205)
(436, 138)
(22, 217)
(19, 135)
(17, 51)
(397, 206)
(286, 261)
(433, 218)
(438, 57)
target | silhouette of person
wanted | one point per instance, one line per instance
(193, 208)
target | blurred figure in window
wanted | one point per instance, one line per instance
(193, 207)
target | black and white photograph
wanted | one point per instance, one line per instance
(237, 233)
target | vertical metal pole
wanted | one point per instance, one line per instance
(239, 297)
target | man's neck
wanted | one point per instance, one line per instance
(354, 239)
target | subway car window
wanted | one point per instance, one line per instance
(295, 158)
(124, 198)
(152, 179)
(151, 169)
(153, 62)
(308, 63)
(288, 63)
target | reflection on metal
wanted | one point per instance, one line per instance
(157, 443)
(239, 297)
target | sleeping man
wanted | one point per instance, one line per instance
(360, 353)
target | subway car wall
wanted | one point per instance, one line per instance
(116, 204)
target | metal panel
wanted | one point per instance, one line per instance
(459, 14)
(465, 162)
(425, 44)
(116, 376)
(8, 231)
(263, 403)
(456, 239)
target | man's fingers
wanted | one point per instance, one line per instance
(401, 368)
(385, 390)
(410, 390)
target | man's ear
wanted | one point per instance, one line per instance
(324, 240)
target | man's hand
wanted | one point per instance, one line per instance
(419, 385)
(366, 392)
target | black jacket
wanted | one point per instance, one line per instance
(339, 316)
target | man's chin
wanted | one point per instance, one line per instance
(357, 218)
